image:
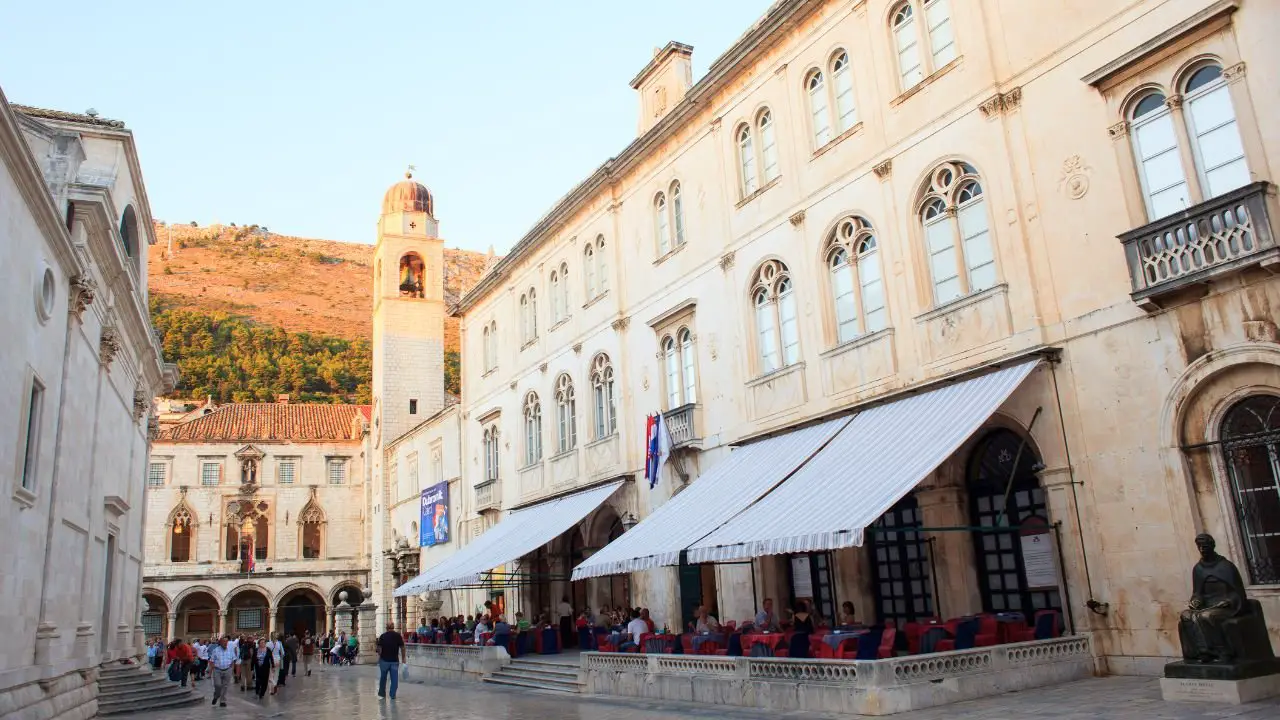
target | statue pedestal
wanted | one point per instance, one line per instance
(1226, 692)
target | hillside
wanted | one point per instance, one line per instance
(249, 314)
(296, 284)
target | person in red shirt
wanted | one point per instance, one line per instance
(644, 615)
(185, 657)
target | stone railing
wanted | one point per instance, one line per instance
(1216, 237)
(680, 423)
(858, 687)
(488, 496)
(454, 660)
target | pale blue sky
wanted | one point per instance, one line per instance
(297, 116)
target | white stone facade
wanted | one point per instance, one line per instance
(78, 371)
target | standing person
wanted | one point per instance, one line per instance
(308, 649)
(565, 612)
(186, 660)
(326, 642)
(353, 648)
(201, 649)
(263, 661)
(221, 659)
(339, 646)
(277, 663)
(291, 647)
(233, 644)
(390, 654)
(248, 646)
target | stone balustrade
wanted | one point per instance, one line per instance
(454, 661)
(488, 496)
(681, 426)
(865, 687)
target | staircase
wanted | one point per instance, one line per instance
(136, 688)
(557, 677)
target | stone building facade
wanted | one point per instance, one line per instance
(863, 199)
(78, 370)
(256, 520)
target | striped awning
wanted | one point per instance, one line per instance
(721, 492)
(516, 535)
(869, 466)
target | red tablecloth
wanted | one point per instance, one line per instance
(772, 640)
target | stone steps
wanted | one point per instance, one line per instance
(133, 688)
(549, 677)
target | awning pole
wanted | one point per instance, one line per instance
(1013, 472)
(1062, 573)
(933, 571)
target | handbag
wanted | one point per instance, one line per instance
(175, 672)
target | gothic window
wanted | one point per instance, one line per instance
(564, 291)
(532, 429)
(602, 397)
(677, 214)
(819, 108)
(1155, 144)
(491, 453)
(936, 33)
(485, 349)
(831, 103)
(602, 266)
(129, 231)
(589, 270)
(1251, 448)
(311, 521)
(412, 274)
(261, 537)
(747, 160)
(529, 316)
(857, 291)
(679, 370)
(957, 235)
(774, 304)
(661, 223)
(180, 531)
(557, 308)
(566, 414)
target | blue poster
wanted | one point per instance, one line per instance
(434, 524)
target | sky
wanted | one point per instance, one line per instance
(298, 116)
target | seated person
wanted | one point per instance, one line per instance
(847, 618)
(482, 627)
(766, 619)
(706, 622)
(522, 625)
(648, 621)
(631, 638)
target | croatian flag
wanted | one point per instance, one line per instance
(657, 449)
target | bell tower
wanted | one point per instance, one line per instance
(408, 312)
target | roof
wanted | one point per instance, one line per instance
(65, 116)
(260, 422)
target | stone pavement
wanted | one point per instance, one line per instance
(350, 694)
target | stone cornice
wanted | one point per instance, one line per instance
(735, 61)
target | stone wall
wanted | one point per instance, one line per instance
(454, 661)
(857, 687)
(73, 696)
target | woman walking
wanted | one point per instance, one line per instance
(263, 663)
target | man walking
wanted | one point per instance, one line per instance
(390, 654)
(248, 646)
(221, 658)
(308, 649)
(291, 646)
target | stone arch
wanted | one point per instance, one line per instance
(195, 590)
(599, 525)
(345, 585)
(309, 587)
(182, 510)
(161, 595)
(247, 587)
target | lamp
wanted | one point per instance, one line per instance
(629, 521)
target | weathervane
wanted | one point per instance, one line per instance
(409, 173)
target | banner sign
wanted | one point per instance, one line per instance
(434, 523)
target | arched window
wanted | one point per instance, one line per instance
(564, 291)
(589, 270)
(261, 537)
(602, 272)
(1215, 138)
(857, 291)
(566, 415)
(491, 453)
(777, 332)
(677, 213)
(529, 315)
(907, 35)
(842, 87)
(129, 231)
(557, 308)
(412, 272)
(679, 369)
(602, 391)
(687, 366)
(768, 146)
(1155, 144)
(747, 160)
(487, 349)
(819, 108)
(311, 530)
(1251, 449)
(671, 366)
(957, 233)
(180, 530)
(661, 225)
(532, 429)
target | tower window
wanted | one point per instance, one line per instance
(411, 276)
(413, 407)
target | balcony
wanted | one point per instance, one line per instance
(488, 496)
(1200, 244)
(680, 423)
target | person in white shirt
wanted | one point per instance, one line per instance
(222, 657)
(482, 627)
(234, 646)
(276, 647)
(202, 659)
(565, 612)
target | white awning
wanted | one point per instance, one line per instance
(520, 533)
(874, 461)
(720, 493)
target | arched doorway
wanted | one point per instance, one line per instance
(1251, 452)
(197, 616)
(300, 610)
(155, 608)
(1005, 492)
(247, 611)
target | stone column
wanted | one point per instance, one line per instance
(953, 557)
(368, 632)
(593, 584)
(328, 619)
(222, 622)
(342, 617)
(559, 588)
(170, 622)
(271, 620)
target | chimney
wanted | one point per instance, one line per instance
(282, 399)
(663, 82)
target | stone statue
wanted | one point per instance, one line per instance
(1217, 595)
(1223, 632)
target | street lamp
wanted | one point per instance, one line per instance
(629, 521)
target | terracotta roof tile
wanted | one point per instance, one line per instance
(65, 116)
(270, 421)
